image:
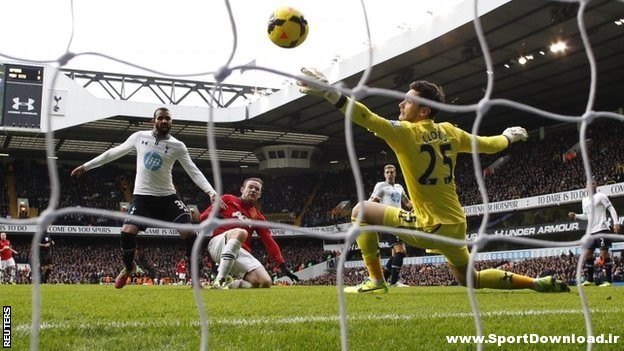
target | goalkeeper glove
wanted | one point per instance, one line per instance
(515, 134)
(329, 94)
(288, 273)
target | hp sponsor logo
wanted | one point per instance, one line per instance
(29, 104)
(152, 161)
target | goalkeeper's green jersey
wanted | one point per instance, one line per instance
(427, 154)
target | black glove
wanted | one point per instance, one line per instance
(288, 273)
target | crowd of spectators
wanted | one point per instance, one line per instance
(4, 203)
(534, 168)
(98, 190)
(288, 194)
(562, 267)
(94, 260)
(538, 166)
(91, 260)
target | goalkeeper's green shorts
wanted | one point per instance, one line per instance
(455, 255)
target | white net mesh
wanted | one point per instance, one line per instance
(225, 69)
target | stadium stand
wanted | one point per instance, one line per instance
(307, 200)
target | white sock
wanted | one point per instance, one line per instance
(228, 256)
(240, 284)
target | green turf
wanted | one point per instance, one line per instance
(94, 317)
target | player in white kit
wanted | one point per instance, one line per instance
(154, 194)
(600, 204)
(392, 194)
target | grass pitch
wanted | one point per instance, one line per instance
(95, 317)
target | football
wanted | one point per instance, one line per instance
(287, 27)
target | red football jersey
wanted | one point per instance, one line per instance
(181, 267)
(244, 212)
(6, 253)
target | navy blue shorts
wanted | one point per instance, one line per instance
(390, 239)
(164, 208)
(601, 242)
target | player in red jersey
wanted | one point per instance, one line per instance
(7, 263)
(231, 244)
(181, 271)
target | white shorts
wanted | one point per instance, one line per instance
(4, 264)
(182, 276)
(245, 262)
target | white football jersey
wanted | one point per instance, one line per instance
(390, 194)
(154, 163)
(599, 219)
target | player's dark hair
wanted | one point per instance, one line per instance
(164, 109)
(431, 92)
(253, 179)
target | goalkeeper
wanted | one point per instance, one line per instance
(230, 244)
(427, 153)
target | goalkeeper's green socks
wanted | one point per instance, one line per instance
(498, 279)
(369, 245)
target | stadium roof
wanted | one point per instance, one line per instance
(555, 82)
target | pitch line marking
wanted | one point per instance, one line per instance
(25, 328)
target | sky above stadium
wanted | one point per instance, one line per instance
(185, 37)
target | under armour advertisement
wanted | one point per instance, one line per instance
(22, 96)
